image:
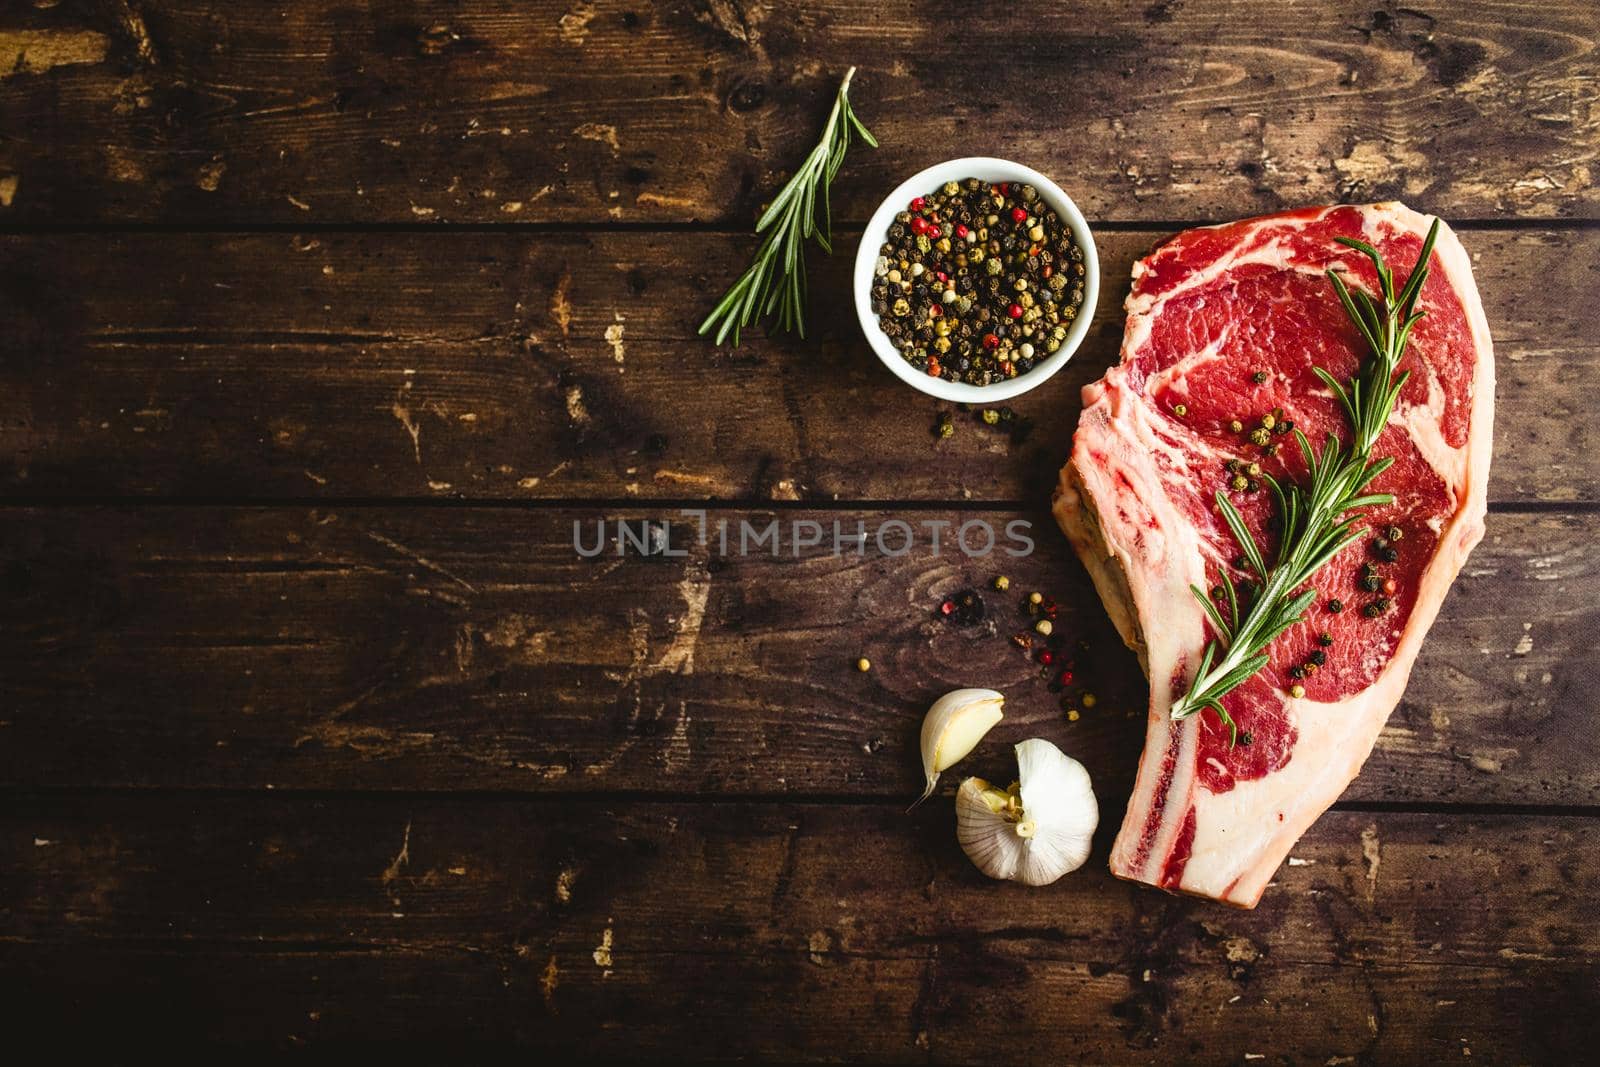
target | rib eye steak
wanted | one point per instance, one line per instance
(1225, 325)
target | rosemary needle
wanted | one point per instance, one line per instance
(1317, 520)
(776, 280)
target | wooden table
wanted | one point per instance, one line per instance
(323, 323)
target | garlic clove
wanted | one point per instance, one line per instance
(1040, 828)
(953, 727)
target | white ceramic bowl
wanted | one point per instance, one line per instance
(986, 169)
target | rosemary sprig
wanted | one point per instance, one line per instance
(1317, 520)
(776, 280)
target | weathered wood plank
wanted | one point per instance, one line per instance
(798, 931)
(589, 110)
(473, 648)
(520, 366)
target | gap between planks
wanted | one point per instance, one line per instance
(667, 798)
(844, 230)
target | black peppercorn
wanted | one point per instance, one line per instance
(1336, 606)
(1318, 657)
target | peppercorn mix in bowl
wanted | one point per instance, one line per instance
(976, 280)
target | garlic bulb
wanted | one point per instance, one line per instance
(953, 727)
(1037, 830)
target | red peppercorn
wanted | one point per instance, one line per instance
(1047, 657)
(962, 231)
(1003, 188)
(947, 607)
(991, 341)
(1048, 270)
(935, 310)
(1389, 586)
(941, 275)
(933, 232)
(917, 203)
(1066, 678)
(1007, 370)
(1017, 214)
(919, 225)
(933, 372)
(1015, 311)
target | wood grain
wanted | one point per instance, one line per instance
(451, 648)
(777, 930)
(601, 110)
(511, 366)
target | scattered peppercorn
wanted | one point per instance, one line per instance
(1180, 410)
(1035, 598)
(1236, 426)
(1268, 421)
(1297, 691)
(863, 664)
(946, 425)
(1044, 627)
(990, 416)
(1247, 739)
(1089, 700)
(1336, 605)
(1396, 534)
(1261, 436)
(1325, 639)
(1259, 376)
(1297, 671)
(1371, 582)
(1022, 640)
(1389, 586)
(1388, 553)
(1318, 657)
(1002, 583)
(1072, 715)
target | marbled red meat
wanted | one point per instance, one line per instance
(1212, 310)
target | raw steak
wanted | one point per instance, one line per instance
(1211, 311)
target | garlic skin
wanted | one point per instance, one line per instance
(1037, 830)
(953, 727)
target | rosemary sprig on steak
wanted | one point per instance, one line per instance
(776, 280)
(1316, 520)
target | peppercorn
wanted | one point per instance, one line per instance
(863, 664)
(1044, 627)
(1267, 421)
(1089, 700)
(1254, 470)
(1297, 691)
(1371, 583)
(1396, 534)
(1388, 553)
(1259, 376)
(946, 426)
(990, 416)
(1239, 483)
(1236, 426)
(1384, 604)
(1072, 715)
(1247, 739)
(1022, 640)
(1297, 671)
(1318, 657)
(1336, 606)
(1325, 639)
(1389, 585)
(1218, 592)
(1260, 437)
(1002, 583)
(1035, 598)
(1180, 410)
